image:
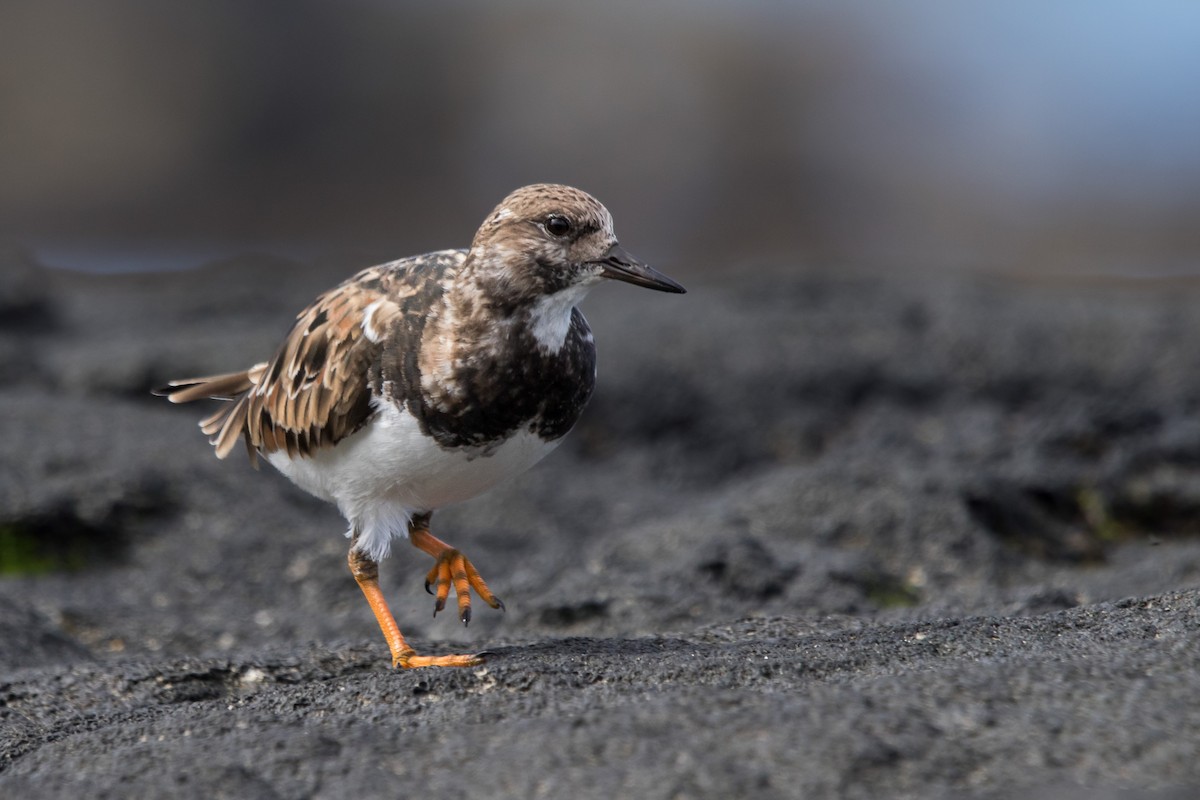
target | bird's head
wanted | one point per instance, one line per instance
(546, 238)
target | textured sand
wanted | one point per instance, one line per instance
(818, 535)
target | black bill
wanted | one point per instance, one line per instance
(619, 265)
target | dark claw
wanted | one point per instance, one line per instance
(500, 604)
(466, 615)
(485, 654)
(438, 606)
(428, 589)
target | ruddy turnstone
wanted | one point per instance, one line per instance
(425, 381)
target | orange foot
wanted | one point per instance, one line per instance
(366, 573)
(408, 659)
(450, 567)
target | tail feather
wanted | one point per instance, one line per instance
(226, 425)
(213, 387)
(232, 422)
(212, 425)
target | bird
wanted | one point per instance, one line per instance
(425, 381)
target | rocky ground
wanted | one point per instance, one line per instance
(819, 534)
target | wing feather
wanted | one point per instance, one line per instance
(316, 390)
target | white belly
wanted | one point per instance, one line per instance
(382, 475)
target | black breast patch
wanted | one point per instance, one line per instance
(511, 385)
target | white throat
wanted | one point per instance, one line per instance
(550, 317)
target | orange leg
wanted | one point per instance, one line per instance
(450, 567)
(366, 572)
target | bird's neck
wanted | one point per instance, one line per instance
(549, 317)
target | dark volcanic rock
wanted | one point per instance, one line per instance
(818, 535)
(31, 640)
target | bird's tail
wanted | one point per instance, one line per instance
(226, 425)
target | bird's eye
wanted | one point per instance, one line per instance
(558, 225)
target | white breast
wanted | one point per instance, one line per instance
(382, 475)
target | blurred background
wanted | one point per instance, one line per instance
(1016, 136)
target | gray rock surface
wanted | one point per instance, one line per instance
(818, 535)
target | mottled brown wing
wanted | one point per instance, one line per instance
(315, 391)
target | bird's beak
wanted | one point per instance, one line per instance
(619, 265)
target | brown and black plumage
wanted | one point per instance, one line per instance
(428, 380)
